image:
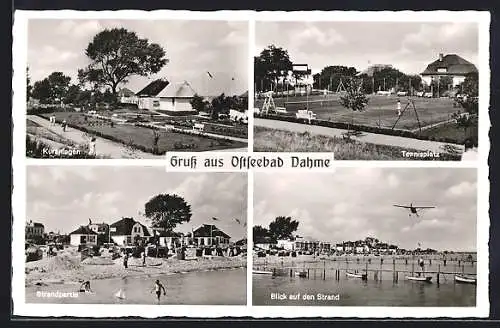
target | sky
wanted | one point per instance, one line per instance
(65, 197)
(355, 203)
(193, 48)
(410, 47)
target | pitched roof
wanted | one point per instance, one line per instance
(83, 230)
(208, 230)
(154, 88)
(177, 90)
(124, 227)
(125, 92)
(454, 64)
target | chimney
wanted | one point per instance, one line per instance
(441, 57)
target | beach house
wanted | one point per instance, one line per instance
(83, 236)
(210, 235)
(169, 98)
(99, 228)
(450, 65)
(263, 242)
(128, 231)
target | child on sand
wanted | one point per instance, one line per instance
(85, 287)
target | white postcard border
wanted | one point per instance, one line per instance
(20, 163)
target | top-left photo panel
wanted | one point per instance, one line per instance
(135, 89)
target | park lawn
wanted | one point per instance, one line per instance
(272, 140)
(142, 138)
(380, 111)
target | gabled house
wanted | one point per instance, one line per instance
(99, 228)
(83, 236)
(210, 235)
(169, 239)
(127, 96)
(128, 231)
(450, 65)
(171, 98)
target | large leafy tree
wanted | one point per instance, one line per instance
(330, 76)
(272, 64)
(166, 211)
(259, 232)
(51, 89)
(116, 54)
(283, 227)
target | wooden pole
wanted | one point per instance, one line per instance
(437, 277)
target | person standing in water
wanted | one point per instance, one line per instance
(158, 287)
(421, 264)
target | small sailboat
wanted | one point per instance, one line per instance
(419, 279)
(262, 272)
(356, 275)
(465, 280)
(301, 274)
(120, 294)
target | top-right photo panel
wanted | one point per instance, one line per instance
(368, 90)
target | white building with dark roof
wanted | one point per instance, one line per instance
(450, 65)
(170, 98)
(83, 236)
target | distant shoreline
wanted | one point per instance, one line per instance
(47, 275)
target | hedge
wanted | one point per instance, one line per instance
(358, 127)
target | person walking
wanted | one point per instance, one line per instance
(92, 144)
(125, 260)
(64, 124)
(398, 106)
(144, 258)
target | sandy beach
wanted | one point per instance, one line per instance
(67, 267)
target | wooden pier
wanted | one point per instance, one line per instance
(370, 270)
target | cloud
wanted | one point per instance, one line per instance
(65, 197)
(354, 203)
(193, 47)
(408, 46)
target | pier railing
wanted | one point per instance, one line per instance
(372, 271)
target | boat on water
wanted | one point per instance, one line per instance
(262, 272)
(363, 276)
(419, 279)
(465, 280)
(301, 274)
(120, 294)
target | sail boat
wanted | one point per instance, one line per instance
(120, 294)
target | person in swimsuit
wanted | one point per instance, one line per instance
(85, 287)
(158, 288)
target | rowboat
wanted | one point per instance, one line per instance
(356, 275)
(262, 272)
(420, 279)
(301, 274)
(465, 280)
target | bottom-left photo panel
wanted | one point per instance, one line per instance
(135, 235)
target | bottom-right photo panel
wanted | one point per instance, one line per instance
(366, 237)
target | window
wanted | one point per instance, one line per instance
(156, 103)
(129, 240)
(442, 70)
